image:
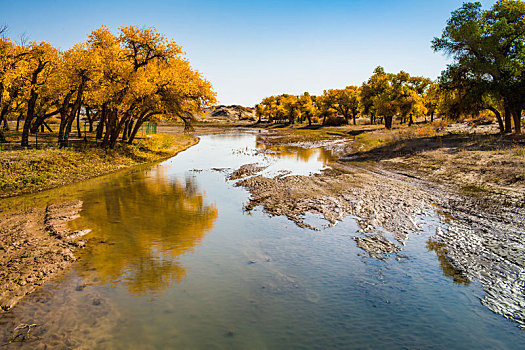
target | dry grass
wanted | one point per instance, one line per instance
(474, 157)
(31, 170)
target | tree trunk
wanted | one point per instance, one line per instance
(61, 130)
(89, 118)
(516, 114)
(121, 124)
(75, 110)
(410, 120)
(100, 126)
(388, 122)
(187, 125)
(64, 108)
(44, 124)
(498, 118)
(3, 118)
(508, 118)
(25, 132)
(111, 125)
(6, 124)
(79, 132)
(115, 133)
(136, 129)
(29, 118)
(125, 131)
(69, 124)
(130, 128)
(18, 121)
(38, 122)
(31, 103)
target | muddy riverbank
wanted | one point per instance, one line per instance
(174, 262)
(481, 233)
(36, 246)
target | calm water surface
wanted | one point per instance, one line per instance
(174, 262)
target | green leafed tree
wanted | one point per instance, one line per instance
(488, 49)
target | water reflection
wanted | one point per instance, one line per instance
(446, 266)
(144, 223)
(297, 153)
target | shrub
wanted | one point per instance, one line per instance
(335, 121)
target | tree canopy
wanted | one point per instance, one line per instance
(488, 49)
(122, 80)
(383, 97)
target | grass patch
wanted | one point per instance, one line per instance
(520, 151)
(25, 171)
(474, 189)
(367, 141)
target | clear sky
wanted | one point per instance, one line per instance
(252, 49)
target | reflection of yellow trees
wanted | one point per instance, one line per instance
(144, 226)
(446, 266)
(297, 153)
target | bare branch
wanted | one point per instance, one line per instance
(3, 30)
(23, 39)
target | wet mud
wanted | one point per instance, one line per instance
(481, 237)
(246, 170)
(35, 245)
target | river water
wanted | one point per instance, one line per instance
(173, 262)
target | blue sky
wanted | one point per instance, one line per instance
(253, 49)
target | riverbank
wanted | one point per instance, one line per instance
(32, 170)
(473, 159)
(472, 179)
(36, 246)
(35, 243)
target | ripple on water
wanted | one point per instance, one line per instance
(168, 266)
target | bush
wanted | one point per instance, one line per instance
(439, 124)
(335, 121)
(426, 131)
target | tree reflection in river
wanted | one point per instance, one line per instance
(297, 153)
(144, 223)
(446, 266)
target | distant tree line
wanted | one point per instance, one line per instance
(487, 74)
(383, 97)
(117, 80)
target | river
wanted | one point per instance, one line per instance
(174, 262)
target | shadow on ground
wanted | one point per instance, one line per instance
(449, 143)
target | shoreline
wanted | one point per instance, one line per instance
(386, 188)
(480, 232)
(53, 168)
(36, 244)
